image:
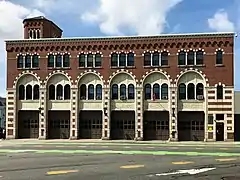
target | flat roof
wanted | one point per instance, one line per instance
(158, 36)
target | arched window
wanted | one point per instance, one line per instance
(35, 60)
(219, 57)
(199, 89)
(98, 92)
(59, 60)
(50, 60)
(28, 61)
(59, 92)
(34, 34)
(30, 34)
(36, 92)
(98, 60)
(219, 92)
(20, 61)
(83, 92)
(199, 57)
(155, 59)
(122, 59)
(66, 60)
(147, 59)
(90, 60)
(164, 92)
(131, 90)
(156, 91)
(182, 91)
(38, 33)
(29, 92)
(147, 90)
(114, 91)
(182, 58)
(123, 91)
(130, 59)
(191, 91)
(67, 91)
(51, 92)
(90, 91)
(164, 58)
(81, 60)
(190, 58)
(114, 60)
(21, 92)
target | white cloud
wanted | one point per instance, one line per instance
(220, 22)
(11, 27)
(142, 17)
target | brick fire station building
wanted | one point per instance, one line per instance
(177, 87)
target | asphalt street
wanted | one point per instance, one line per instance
(110, 161)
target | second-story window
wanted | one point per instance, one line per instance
(59, 60)
(130, 59)
(122, 59)
(199, 57)
(28, 60)
(155, 59)
(219, 57)
(164, 58)
(98, 60)
(20, 61)
(190, 58)
(182, 58)
(90, 60)
(81, 60)
(35, 61)
(50, 60)
(114, 60)
(66, 60)
(147, 59)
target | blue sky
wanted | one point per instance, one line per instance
(121, 17)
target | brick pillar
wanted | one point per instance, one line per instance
(139, 114)
(43, 114)
(106, 114)
(74, 113)
(11, 114)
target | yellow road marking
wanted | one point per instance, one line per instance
(61, 172)
(38, 146)
(132, 166)
(173, 147)
(223, 160)
(182, 163)
(150, 147)
(199, 148)
(60, 146)
(224, 148)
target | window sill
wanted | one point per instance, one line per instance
(163, 66)
(90, 101)
(219, 65)
(191, 101)
(35, 68)
(29, 101)
(123, 67)
(157, 101)
(196, 65)
(90, 67)
(123, 101)
(60, 101)
(59, 68)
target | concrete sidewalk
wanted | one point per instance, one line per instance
(99, 141)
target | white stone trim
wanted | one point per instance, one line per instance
(23, 73)
(124, 71)
(81, 75)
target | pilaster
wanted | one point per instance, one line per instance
(74, 113)
(11, 115)
(106, 114)
(139, 114)
(173, 109)
(43, 114)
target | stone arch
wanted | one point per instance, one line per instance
(58, 72)
(195, 71)
(167, 77)
(125, 74)
(93, 75)
(24, 74)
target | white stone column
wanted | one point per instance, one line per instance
(173, 113)
(206, 114)
(11, 114)
(106, 125)
(139, 113)
(43, 114)
(74, 114)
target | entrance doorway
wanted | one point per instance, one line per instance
(219, 131)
